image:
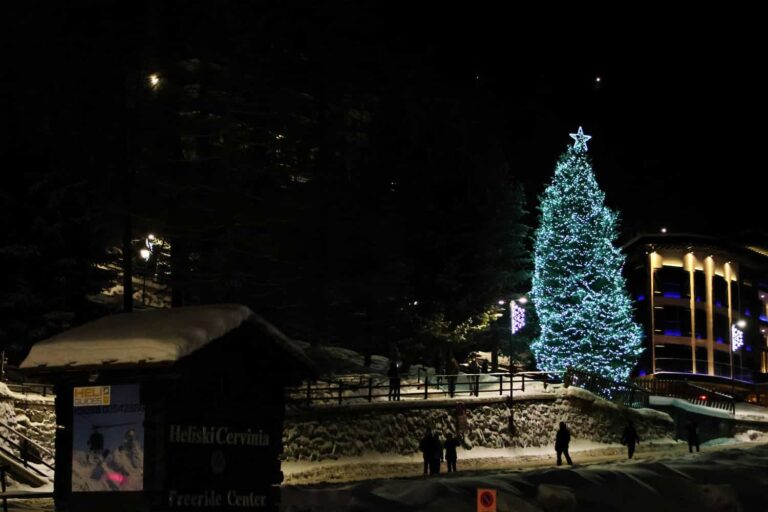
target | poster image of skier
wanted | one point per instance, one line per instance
(108, 439)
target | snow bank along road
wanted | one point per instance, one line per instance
(718, 479)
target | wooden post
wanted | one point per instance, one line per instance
(370, 389)
(426, 387)
(523, 381)
(341, 386)
(501, 384)
(309, 392)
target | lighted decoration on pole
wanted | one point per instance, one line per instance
(584, 310)
(737, 338)
(517, 315)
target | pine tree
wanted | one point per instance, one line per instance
(579, 292)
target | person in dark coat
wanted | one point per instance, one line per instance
(474, 370)
(426, 446)
(394, 382)
(693, 436)
(452, 371)
(437, 454)
(484, 367)
(450, 446)
(95, 444)
(630, 438)
(562, 440)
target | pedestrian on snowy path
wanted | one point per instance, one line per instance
(394, 382)
(693, 436)
(450, 445)
(630, 438)
(426, 446)
(562, 440)
(437, 454)
(474, 370)
(453, 372)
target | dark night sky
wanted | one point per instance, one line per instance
(677, 123)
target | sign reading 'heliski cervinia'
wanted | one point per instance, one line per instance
(223, 436)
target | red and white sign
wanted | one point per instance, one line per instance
(486, 500)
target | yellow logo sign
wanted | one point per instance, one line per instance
(92, 396)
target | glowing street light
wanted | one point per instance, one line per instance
(154, 80)
(145, 254)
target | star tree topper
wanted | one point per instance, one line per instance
(581, 139)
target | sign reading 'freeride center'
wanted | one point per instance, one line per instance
(219, 467)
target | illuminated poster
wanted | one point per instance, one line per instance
(108, 439)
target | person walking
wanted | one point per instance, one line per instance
(394, 382)
(451, 443)
(452, 371)
(474, 371)
(562, 440)
(437, 454)
(693, 436)
(426, 447)
(630, 438)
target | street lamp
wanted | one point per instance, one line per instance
(146, 253)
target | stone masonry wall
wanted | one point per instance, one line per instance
(397, 427)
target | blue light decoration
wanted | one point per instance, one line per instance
(673, 332)
(640, 298)
(580, 139)
(517, 315)
(763, 318)
(718, 304)
(672, 295)
(747, 312)
(737, 338)
(584, 309)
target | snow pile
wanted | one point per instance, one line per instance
(752, 436)
(164, 335)
(718, 480)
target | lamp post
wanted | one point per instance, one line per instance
(146, 253)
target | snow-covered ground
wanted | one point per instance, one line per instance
(751, 412)
(378, 465)
(664, 478)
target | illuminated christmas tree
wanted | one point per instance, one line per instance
(584, 310)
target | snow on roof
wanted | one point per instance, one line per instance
(156, 336)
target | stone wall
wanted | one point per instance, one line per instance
(396, 427)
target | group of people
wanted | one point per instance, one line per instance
(629, 438)
(435, 452)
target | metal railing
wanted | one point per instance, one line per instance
(377, 388)
(693, 393)
(30, 387)
(28, 449)
(622, 393)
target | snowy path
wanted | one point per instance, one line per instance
(662, 479)
(476, 460)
